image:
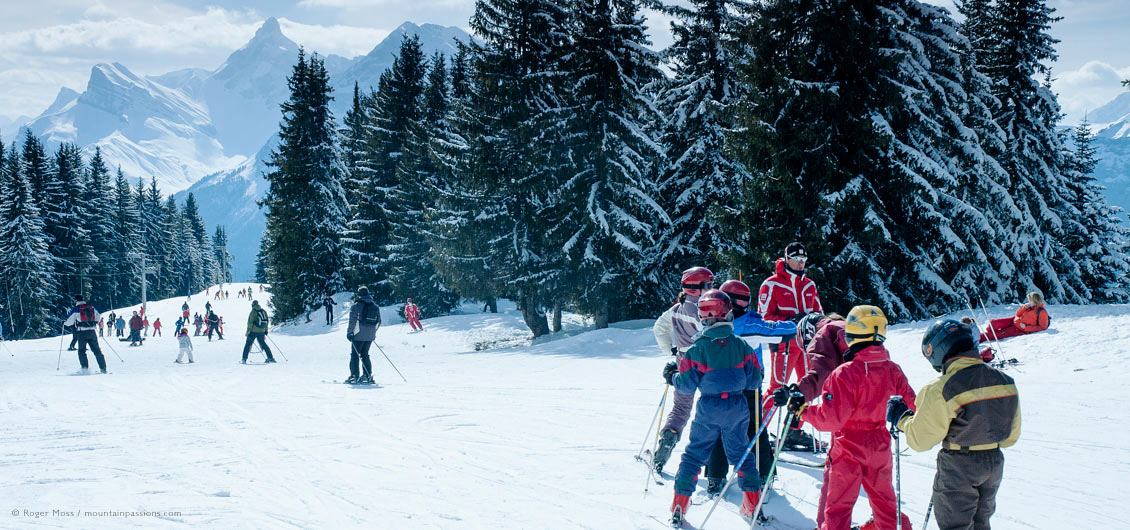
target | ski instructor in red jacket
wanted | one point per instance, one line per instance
(788, 295)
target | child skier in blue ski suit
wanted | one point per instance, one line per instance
(720, 366)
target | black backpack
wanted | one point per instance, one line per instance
(261, 319)
(370, 314)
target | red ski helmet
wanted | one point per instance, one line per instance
(738, 292)
(697, 279)
(715, 305)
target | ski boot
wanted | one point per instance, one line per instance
(667, 442)
(269, 360)
(750, 499)
(714, 486)
(679, 510)
(798, 440)
(366, 379)
(351, 380)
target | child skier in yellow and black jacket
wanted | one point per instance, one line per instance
(973, 410)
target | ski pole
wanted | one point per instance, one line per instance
(113, 350)
(929, 510)
(658, 410)
(277, 348)
(996, 340)
(734, 473)
(772, 470)
(898, 473)
(390, 361)
(6, 348)
(59, 364)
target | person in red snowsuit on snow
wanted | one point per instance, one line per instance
(788, 295)
(412, 313)
(1030, 318)
(854, 409)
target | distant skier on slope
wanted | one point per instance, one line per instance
(257, 327)
(853, 407)
(328, 303)
(721, 369)
(674, 331)
(364, 319)
(84, 318)
(973, 410)
(412, 313)
(789, 295)
(120, 325)
(135, 330)
(185, 345)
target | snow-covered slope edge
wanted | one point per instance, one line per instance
(530, 437)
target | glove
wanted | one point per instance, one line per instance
(349, 337)
(896, 409)
(796, 401)
(781, 397)
(674, 351)
(669, 372)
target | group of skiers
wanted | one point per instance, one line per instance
(835, 374)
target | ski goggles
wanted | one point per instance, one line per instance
(700, 286)
(798, 257)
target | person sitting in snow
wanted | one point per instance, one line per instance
(721, 368)
(1030, 318)
(853, 407)
(973, 410)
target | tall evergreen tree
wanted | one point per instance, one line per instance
(699, 181)
(24, 255)
(306, 206)
(220, 254)
(123, 252)
(610, 209)
(417, 174)
(99, 226)
(1099, 240)
(72, 248)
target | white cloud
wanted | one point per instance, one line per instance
(357, 4)
(1088, 88)
(347, 41)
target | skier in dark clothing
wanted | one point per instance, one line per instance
(364, 319)
(329, 304)
(197, 322)
(84, 318)
(973, 410)
(214, 326)
(257, 323)
(135, 330)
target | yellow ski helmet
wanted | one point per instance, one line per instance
(865, 323)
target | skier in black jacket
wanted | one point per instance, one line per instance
(364, 319)
(329, 304)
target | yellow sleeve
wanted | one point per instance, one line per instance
(931, 422)
(1015, 434)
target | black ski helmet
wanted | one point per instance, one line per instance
(806, 328)
(945, 339)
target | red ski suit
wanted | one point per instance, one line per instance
(412, 313)
(854, 409)
(783, 296)
(1028, 320)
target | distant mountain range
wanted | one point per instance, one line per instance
(1111, 123)
(207, 132)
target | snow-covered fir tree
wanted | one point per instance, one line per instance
(71, 234)
(96, 198)
(417, 173)
(122, 256)
(1099, 240)
(385, 219)
(24, 255)
(220, 255)
(700, 180)
(306, 205)
(609, 203)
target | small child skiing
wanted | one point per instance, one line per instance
(854, 409)
(157, 327)
(185, 345)
(720, 367)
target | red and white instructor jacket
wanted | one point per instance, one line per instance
(787, 294)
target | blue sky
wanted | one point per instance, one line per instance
(47, 44)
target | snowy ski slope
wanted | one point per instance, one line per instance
(528, 437)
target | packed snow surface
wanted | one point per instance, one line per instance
(520, 436)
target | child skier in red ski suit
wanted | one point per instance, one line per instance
(412, 313)
(854, 408)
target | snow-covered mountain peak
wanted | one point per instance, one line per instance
(62, 99)
(1113, 119)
